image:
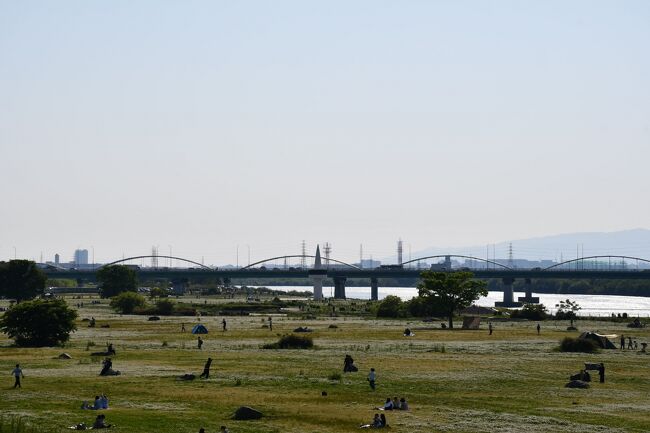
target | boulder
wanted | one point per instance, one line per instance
(246, 413)
(577, 384)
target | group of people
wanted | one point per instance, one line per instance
(379, 421)
(101, 402)
(395, 404)
(631, 345)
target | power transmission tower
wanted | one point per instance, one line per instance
(303, 259)
(511, 262)
(399, 252)
(327, 249)
(154, 257)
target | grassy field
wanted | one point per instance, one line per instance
(455, 381)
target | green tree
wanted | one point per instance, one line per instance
(165, 307)
(391, 306)
(450, 291)
(21, 280)
(567, 309)
(116, 279)
(157, 292)
(39, 323)
(127, 302)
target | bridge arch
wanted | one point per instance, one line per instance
(581, 259)
(441, 256)
(300, 256)
(159, 257)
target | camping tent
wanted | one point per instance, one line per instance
(602, 340)
(199, 329)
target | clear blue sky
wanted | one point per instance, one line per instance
(204, 125)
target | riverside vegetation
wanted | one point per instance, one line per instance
(510, 381)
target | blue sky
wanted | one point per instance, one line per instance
(205, 125)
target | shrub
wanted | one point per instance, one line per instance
(165, 307)
(291, 341)
(39, 323)
(390, 306)
(116, 279)
(127, 302)
(530, 312)
(569, 344)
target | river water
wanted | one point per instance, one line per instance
(592, 305)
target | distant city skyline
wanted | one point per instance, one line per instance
(207, 127)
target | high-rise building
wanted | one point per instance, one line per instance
(80, 257)
(56, 259)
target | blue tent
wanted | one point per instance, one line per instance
(199, 329)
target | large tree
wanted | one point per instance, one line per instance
(450, 291)
(21, 280)
(116, 279)
(39, 323)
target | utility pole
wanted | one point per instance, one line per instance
(303, 253)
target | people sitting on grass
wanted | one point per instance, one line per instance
(396, 405)
(376, 423)
(388, 405)
(100, 402)
(100, 422)
(403, 405)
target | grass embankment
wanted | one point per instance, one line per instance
(510, 381)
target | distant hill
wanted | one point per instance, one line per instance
(635, 242)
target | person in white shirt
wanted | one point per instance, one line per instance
(17, 373)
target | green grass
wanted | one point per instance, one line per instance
(454, 381)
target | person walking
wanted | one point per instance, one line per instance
(182, 327)
(622, 341)
(490, 328)
(199, 342)
(223, 324)
(539, 328)
(371, 378)
(270, 323)
(17, 373)
(629, 343)
(206, 369)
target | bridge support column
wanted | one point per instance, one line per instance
(374, 289)
(529, 298)
(339, 287)
(508, 295)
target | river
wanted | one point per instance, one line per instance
(592, 305)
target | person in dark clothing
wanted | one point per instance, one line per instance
(206, 369)
(490, 328)
(270, 324)
(601, 372)
(199, 342)
(107, 366)
(223, 324)
(17, 373)
(622, 342)
(539, 328)
(629, 343)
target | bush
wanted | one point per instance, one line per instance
(292, 341)
(530, 312)
(165, 307)
(39, 323)
(569, 344)
(390, 306)
(127, 302)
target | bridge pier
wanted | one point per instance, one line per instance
(529, 298)
(339, 287)
(508, 294)
(374, 289)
